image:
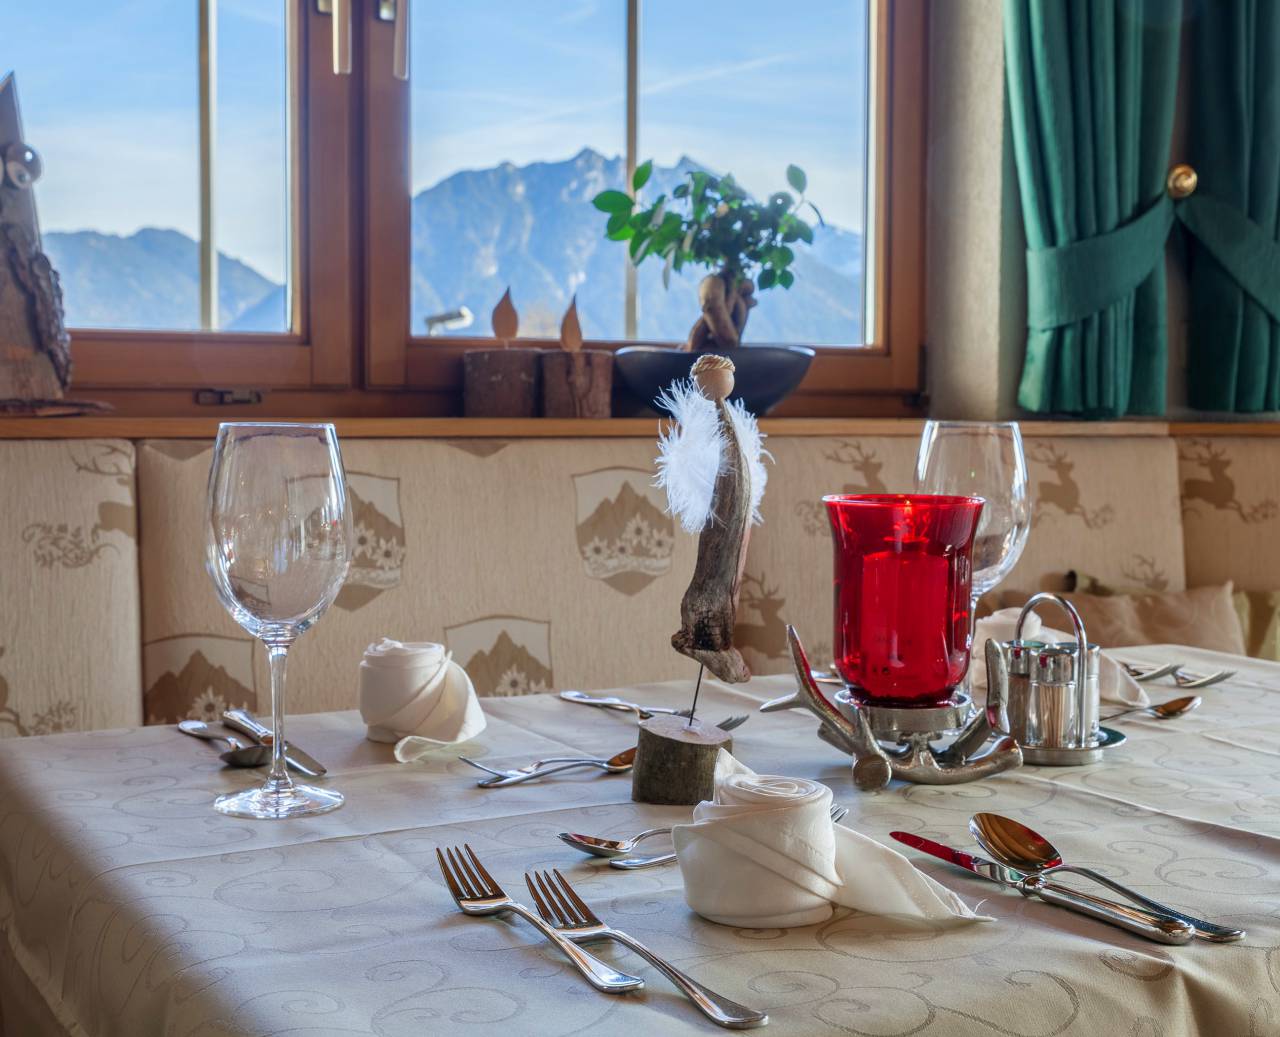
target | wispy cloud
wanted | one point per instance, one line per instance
(712, 72)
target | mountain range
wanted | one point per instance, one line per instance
(475, 233)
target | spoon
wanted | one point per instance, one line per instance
(237, 754)
(609, 847)
(1164, 710)
(635, 863)
(1017, 846)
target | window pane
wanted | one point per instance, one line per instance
(747, 87)
(110, 98)
(518, 121)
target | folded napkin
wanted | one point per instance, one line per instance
(765, 854)
(414, 694)
(1114, 683)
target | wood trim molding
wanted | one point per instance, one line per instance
(540, 428)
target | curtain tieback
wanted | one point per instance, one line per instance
(1067, 283)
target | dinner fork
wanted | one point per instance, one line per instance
(1192, 680)
(554, 764)
(476, 893)
(562, 908)
(632, 863)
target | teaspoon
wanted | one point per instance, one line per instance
(1017, 846)
(1164, 710)
(237, 754)
(593, 844)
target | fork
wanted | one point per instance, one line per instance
(476, 893)
(632, 863)
(562, 908)
(555, 764)
(621, 705)
(1191, 680)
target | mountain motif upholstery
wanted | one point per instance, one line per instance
(1095, 502)
(542, 564)
(69, 609)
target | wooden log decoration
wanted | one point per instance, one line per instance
(502, 383)
(710, 467)
(576, 382)
(675, 763)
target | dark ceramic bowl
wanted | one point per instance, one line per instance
(764, 375)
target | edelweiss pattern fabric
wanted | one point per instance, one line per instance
(69, 624)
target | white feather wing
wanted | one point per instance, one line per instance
(691, 455)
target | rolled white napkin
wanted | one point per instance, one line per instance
(1114, 684)
(414, 694)
(765, 854)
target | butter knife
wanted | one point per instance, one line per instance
(1154, 926)
(246, 723)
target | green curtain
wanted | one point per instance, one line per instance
(1092, 86)
(1233, 353)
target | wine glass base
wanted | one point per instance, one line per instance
(294, 801)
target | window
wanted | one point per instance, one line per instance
(157, 160)
(518, 113)
(227, 211)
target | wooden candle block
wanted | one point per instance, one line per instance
(676, 762)
(577, 384)
(501, 383)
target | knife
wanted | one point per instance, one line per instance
(1154, 926)
(246, 723)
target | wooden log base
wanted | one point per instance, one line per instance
(676, 763)
(577, 384)
(501, 383)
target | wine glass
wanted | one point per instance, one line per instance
(981, 459)
(278, 549)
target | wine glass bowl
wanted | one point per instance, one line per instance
(981, 459)
(278, 548)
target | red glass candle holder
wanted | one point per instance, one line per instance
(903, 566)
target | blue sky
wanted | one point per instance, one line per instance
(109, 95)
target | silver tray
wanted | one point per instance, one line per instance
(1042, 757)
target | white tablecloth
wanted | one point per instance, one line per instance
(133, 909)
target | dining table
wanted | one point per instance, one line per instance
(129, 908)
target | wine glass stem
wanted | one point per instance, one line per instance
(278, 779)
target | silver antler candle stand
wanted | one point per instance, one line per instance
(859, 730)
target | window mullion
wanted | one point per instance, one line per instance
(208, 44)
(633, 79)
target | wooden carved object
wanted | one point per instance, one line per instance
(709, 609)
(576, 382)
(502, 383)
(676, 761)
(35, 354)
(726, 302)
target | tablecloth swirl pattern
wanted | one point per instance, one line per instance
(129, 902)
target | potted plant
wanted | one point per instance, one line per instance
(748, 246)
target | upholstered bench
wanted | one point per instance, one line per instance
(541, 563)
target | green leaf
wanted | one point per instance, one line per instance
(620, 235)
(796, 178)
(641, 176)
(617, 221)
(612, 201)
(783, 256)
(681, 191)
(786, 279)
(765, 280)
(781, 200)
(804, 232)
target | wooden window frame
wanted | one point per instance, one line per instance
(318, 353)
(843, 380)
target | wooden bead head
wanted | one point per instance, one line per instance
(713, 376)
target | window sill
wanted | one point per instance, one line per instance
(556, 428)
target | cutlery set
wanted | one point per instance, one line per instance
(255, 754)
(564, 918)
(1024, 860)
(619, 763)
